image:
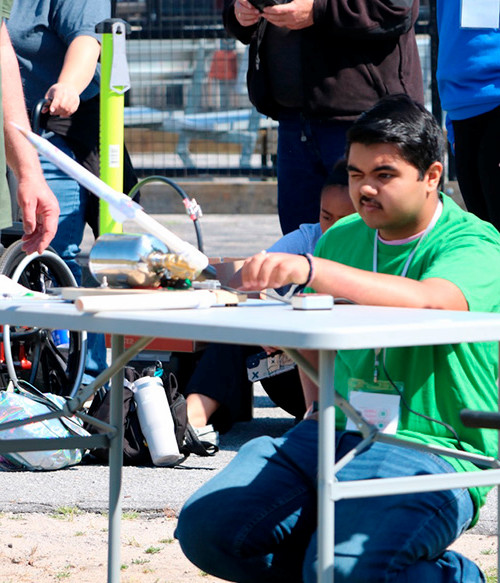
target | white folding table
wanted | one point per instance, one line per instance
(344, 327)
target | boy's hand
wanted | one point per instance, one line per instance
(272, 270)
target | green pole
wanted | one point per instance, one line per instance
(115, 81)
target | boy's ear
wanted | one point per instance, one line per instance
(433, 175)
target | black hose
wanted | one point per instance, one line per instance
(180, 191)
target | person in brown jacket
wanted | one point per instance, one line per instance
(315, 66)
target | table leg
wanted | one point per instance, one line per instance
(326, 459)
(115, 464)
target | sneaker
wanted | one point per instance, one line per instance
(207, 433)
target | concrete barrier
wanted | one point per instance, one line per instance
(214, 197)
(236, 196)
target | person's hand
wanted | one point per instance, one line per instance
(295, 15)
(63, 99)
(40, 211)
(272, 270)
(246, 14)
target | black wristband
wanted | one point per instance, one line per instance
(310, 276)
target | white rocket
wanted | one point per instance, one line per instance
(121, 206)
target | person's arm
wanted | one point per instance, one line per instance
(358, 18)
(77, 72)
(362, 287)
(294, 15)
(309, 387)
(38, 204)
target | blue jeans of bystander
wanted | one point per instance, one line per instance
(307, 151)
(72, 200)
(256, 520)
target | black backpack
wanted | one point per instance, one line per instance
(135, 448)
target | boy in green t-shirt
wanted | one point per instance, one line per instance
(408, 246)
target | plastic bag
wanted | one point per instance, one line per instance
(14, 406)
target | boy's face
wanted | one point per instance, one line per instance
(387, 193)
(335, 204)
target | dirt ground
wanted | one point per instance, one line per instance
(72, 546)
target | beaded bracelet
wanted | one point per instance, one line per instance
(310, 260)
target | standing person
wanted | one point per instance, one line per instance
(38, 204)
(410, 246)
(315, 66)
(58, 51)
(468, 76)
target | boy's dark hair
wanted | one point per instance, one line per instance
(338, 174)
(399, 120)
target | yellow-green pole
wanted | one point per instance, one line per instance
(115, 81)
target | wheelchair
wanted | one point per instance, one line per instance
(32, 355)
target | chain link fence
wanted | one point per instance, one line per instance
(187, 112)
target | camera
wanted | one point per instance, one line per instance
(261, 4)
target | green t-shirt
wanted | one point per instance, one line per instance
(5, 209)
(439, 381)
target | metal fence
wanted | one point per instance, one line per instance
(187, 112)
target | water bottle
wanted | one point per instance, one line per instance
(156, 420)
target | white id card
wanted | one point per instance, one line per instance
(480, 13)
(381, 410)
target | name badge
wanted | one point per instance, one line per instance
(381, 410)
(480, 14)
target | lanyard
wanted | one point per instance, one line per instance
(430, 226)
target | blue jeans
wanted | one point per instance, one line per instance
(307, 151)
(72, 200)
(256, 519)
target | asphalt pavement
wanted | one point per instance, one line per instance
(154, 489)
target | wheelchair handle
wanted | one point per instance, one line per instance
(483, 419)
(36, 113)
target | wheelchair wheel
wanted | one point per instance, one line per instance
(31, 354)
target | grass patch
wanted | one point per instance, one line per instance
(64, 574)
(66, 512)
(489, 552)
(139, 561)
(152, 550)
(130, 515)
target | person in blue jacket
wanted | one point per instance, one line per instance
(468, 77)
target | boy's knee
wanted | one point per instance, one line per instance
(193, 533)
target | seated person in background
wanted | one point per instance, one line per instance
(217, 387)
(410, 246)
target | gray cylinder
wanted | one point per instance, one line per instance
(128, 260)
